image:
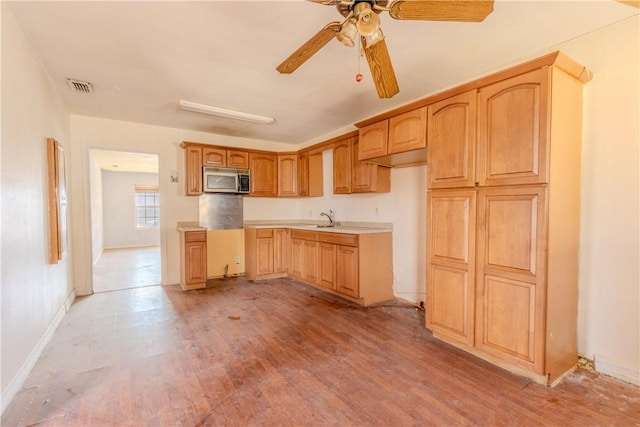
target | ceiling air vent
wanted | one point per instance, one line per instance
(78, 86)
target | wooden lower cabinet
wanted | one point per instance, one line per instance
(266, 252)
(357, 267)
(354, 266)
(193, 259)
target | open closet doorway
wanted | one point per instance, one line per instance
(125, 220)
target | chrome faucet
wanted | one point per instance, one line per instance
(330, 216)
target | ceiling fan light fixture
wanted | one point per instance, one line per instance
(368, 22)
(348, 33)
(371, 39)
(223, 112)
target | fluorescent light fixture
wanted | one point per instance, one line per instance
(223, 112)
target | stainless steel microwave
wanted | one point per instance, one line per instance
(225, 180)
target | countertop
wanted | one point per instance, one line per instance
(190, 226)
(344, 227)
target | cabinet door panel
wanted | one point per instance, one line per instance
(310, 272)
(297, 258)
(373, 140)
(408, 131)
(342, 165)
(237, 159)
(195, 262)
(214, 157)
(511, 274)
(451, 231)
(264, 174)
(508, 323)
(265, 256)
(303, 174)
(452, 141)
(280, 250)
(450, 312)
(194, 170)
(287, 175)
(347, 270)
(328, 265)
(512, 130)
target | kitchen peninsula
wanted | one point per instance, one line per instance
(351, 260)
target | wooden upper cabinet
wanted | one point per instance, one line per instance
(310, 176)
(193, 156)
(373, 140)
(451, 130)
(264, 174)
(367, 177)
(287, 175)
(214, 157)
(237, 159)
(407, 131)
(342, 165)
(513, 124)
(303, 174)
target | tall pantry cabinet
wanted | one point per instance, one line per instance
(503, 218)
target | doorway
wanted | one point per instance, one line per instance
(125, 220)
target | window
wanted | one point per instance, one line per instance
(147, 206)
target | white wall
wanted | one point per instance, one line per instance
(97, 231)
(33, 291)
(609, 292)
(91, 132)
(119, 214)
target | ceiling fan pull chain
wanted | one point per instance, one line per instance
(359, 56)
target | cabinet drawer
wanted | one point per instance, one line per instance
(339, 238)
(262, 233)
(195, 236)
(304, 235)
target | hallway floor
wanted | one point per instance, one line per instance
(127, 268)
(281, 353)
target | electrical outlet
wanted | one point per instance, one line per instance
(310, 213)
(237, 259)
(377, 210)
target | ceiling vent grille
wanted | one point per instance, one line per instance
(80, 87)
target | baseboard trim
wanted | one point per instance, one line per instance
(613, 369)
(18, 380)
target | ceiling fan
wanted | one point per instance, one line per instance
(361, 19)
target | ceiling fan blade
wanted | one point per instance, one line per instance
(326, 2)
(307, 50)
(382, 72)
(634, 3)
(442, 10)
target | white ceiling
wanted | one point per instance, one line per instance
(122, 161)
(142, 57)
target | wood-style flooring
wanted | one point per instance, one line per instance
(280, 353)
(127, 268)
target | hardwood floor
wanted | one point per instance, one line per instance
(127, 268)
(281, 353)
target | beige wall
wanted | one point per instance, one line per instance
(33, 292)
(609, 292)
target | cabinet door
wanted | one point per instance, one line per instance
(451, 130)
(451, 232)
(367, 177)
(264, 256)
(303, 174)
(297, 258)
(347, 270)
(195, 262)
(193, 156)
(214, 157)
(513, 120)
(263, 167)
(510, 289)
(316, 182)
(310, 269)
(328, 265)
(237, 159)
(342, 164)
(288, 175)
(280, 250)
(373, 140)
(408, 131)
